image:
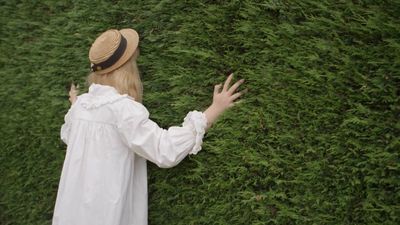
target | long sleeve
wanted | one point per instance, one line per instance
(164, 147)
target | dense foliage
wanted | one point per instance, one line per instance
(316, 140)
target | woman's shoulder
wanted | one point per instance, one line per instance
(128, 106)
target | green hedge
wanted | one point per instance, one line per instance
(316, 140)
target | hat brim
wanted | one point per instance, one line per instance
(132, 39)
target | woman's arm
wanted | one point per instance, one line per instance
(164, 147)
(167, 147)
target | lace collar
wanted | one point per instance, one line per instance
(100, 95)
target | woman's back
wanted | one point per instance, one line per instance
(107, 182)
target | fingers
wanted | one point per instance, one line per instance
(227, 82)
(238, 94)
(73, 89)
(235, 96)
(217, 88)
(235, 86)
(73, 92)
(235, 103)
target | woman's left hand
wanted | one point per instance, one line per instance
(73, 93)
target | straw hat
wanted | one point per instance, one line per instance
(112, 49)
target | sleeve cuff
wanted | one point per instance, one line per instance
(198, 121)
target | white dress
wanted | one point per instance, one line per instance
(109, 138)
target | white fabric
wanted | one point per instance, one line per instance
(109, 137)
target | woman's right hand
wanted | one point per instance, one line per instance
(223, 99)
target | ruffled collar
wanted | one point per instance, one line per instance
(100, 95)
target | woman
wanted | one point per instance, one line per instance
(110, 136)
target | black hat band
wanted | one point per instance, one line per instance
(113, 58)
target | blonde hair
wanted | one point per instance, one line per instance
(126, 79)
